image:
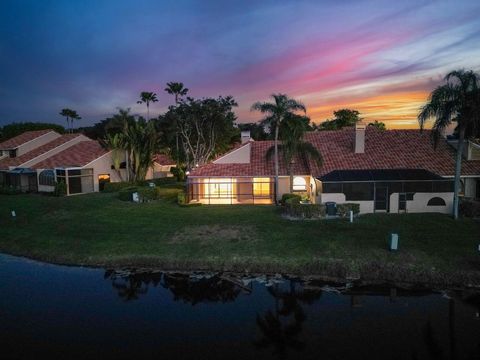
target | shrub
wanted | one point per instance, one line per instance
(288, 196)
(304, 211)
(181, 198)
(179, 173)
(343, 210)
(116, 186)
(126, 193)
(60, 189)
(148, 193)
(470, 208)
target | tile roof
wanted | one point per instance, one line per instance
(163, 159)
(77, 155)
(19, 160)
(258, 166)
(27, 136)
(391, 149)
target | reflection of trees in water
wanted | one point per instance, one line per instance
(203, 289)
(188, 288)
(281, 327)
(132, 286)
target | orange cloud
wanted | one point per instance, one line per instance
(396, 110)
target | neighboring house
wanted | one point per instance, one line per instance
(84, 167)
(161, 167)
(37, 164)
(383, 171)
(28, 149)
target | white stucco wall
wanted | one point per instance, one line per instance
(238, 156)
(365, 206)
(37, 142)
(420, 201)
(101, 166)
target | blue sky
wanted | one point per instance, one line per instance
(380, 57)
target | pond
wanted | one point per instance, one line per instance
(76, 312)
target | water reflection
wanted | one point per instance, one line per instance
(188, 288)
(280, 327)
(69, 312)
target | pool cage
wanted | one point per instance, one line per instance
(231, 190)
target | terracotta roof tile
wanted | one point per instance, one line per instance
(19, 160)
(27, 136)
(391, 149)
(77, 155)
(163, 159)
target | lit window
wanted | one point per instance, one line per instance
(299, 184)
(261, 186)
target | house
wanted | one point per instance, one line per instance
(382, 171)
(162, 165)
(23, 151)
(36, 160)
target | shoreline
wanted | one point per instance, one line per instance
(369, 273)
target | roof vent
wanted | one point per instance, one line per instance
(360, 138)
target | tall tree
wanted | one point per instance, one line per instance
(458, 100)
(178, 90)
(342, 118)
(139, 141)
(275, 113)
(11, 130)
(70, 115)
(147, 98)
(291, 133)
(205, 126)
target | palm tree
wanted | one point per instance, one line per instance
(147, 98)
(275, 113)
(291, 132)
(70, 115)
(456, 101)
(115, 142)
(178, 90)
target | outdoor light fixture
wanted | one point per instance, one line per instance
(187, 173)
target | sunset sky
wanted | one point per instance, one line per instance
(379, 57)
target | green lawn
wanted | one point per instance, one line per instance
(99, 229)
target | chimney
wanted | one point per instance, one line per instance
(245, 136)
(360, 138)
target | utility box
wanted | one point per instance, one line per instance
(393, 242)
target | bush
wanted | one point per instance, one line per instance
(470, 208)
(60, 189)
(9, 190)
(148, 193)
(181, 198)
(116, 186)
(343, 210)
(287, 196)
(304, 211)
(126, 193)
(179, 173)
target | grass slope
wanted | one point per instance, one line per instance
(99, 229)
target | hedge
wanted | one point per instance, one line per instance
(292, 198)
(343, 210)
(126, 194)
(304, 211)
(470, 208)
(117, 186)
